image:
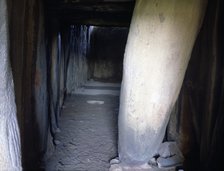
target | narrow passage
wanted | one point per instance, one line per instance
(88, 137)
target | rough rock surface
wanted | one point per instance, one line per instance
(155, 62)
(168, 149)
(10, 154)
(88, 137)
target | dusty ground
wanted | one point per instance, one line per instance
(88, 137)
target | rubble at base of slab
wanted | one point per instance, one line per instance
(168, 158)
(144, 167)
(169, 155)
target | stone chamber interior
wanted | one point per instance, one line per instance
(67, 63)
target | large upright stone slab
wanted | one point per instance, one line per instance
(10, 157)
(160, 41)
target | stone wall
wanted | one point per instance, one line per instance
(28, 56)
(10, 155)
(29, 65)
(77, 63)
(159, 45)
(197, 120)
(105, 58)
(36, 72)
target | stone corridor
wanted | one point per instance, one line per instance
(60, 108)
(88, 137)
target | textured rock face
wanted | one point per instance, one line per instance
(77, 64)
(28, 53)
(10, 157)
(169, 155)
(159, 46)
(197, 120)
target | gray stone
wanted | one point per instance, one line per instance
(57, 130)
(155, 62)
(115, 167)
(10, 153)
(169, 155)
(152, 162)
(57, 142)
(168, 149)
(115, 161)
(170, 161)
(77, 64)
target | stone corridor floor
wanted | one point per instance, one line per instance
(88, 137)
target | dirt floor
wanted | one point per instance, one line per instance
(88, 137)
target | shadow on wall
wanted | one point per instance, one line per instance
(29, 66)
(197, 121)
(43, 55)
(105, 57)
